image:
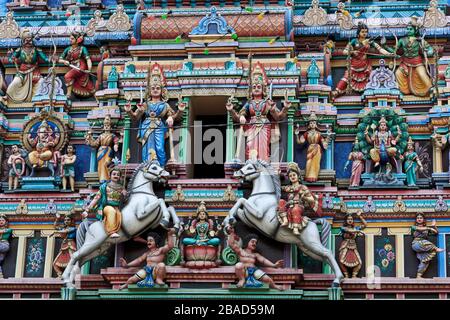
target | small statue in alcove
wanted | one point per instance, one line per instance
(5, 235)
(349, 257)
(425, 249)
(68, 246)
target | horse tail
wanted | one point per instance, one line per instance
(326, 230)
(81, 233)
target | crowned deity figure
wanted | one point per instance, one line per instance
(78, 79)
(357, 158)
(359, 66)
(411, 163)
(384, 143)
(290, 212)
(425, 250)
(315, 142)
(156, 116)
(201, 229)
(107, 204)
(68, 233)
(413, 77)
(26, 59)
(43, 144)
(258, 116)
(104, 151)
(349, 257)
(201, 246)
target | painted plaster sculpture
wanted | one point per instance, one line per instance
(424, 249)
(291, 212)
(258, 115)
(5, 235)
(77, 58)
(106, 142)
(411, 164)
(143, 211)
(349, 258)
(156, 115)
(68, 232)
(315, 142)
(16, 164)
(413, 76)
(260, 209)
(27, 60)
(246, 271)
(359, 66)
(68, 168)
(154, 271)
(107, 204)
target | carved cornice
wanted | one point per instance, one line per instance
(434, 18)
(9, 27)
(315, 15)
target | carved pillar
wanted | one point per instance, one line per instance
(49, 250)
(231, 145)
(437, 159)
(21, 250)
(329, 155)
(126, 139)
(184, 144)
(290, 135)
(399, 234)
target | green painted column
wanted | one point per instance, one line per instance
(126, 139)
(294, 255)
(290, 135)
(85, 268)
(230, 143)
(331, 245)
(184, 134)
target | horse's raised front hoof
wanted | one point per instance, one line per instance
(164, 223)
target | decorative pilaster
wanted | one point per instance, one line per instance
(126, 139)
(230, 144)
(329, 155)
(49, 250)
(399, 234)
(437, 159)
(21, 250)
(290, 135)
(184, 147)
(369, 246)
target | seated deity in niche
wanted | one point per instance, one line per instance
(201, 246)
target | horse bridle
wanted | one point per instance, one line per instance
(145, 170)
(246, 175)
(256, 171)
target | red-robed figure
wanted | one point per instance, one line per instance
(360, 67)
(259, 115)
(77, 57)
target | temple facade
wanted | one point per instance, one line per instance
(214, 149)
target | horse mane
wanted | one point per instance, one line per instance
(133, 176)
(273, 175)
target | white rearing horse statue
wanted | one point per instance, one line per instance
(260, 212)
(143, 211)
